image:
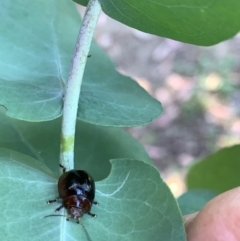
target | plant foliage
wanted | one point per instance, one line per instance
(200, 22)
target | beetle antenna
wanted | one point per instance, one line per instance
(52, 215)
(85, 230)
(79, 221)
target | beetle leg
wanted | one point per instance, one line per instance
(63, 168)
(92, 214)
(95, 203)
(59, 208)
(53, 200)
(69, 216)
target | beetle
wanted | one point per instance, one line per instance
(76, 188)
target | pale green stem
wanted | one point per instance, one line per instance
(74, 83)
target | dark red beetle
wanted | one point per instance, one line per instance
(76, 188)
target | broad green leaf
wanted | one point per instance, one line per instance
(36, 50)
(219, 172)
(94, 147)
(82, 2)
(135, 204)
(201, 22)
(194, 200)
(108, 98)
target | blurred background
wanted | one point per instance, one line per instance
(197, 86)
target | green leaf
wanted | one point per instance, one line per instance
(219, 172)
(108, 98)
(200, 22)
(194, 200)
(36, 49)
(94, 147)
(135, 204)
(82, 2)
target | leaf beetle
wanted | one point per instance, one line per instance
(76, 189)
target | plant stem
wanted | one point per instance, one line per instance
(73, 86)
